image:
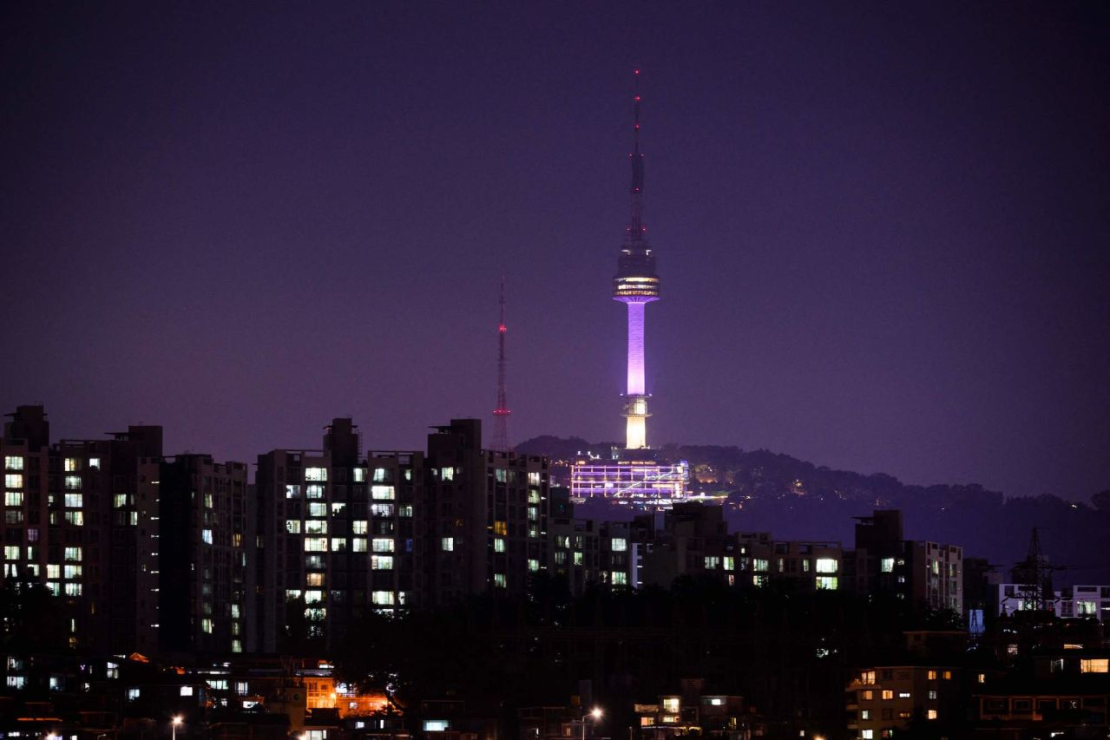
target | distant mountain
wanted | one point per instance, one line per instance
(794, 499)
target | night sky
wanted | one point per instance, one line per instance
(883, 229)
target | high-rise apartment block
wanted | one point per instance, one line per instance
(926, 574)
(193, 555)
(70, 522)
(340, 533)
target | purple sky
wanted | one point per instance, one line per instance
(883, 229)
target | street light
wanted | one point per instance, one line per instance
(176, 721)
(595, 713)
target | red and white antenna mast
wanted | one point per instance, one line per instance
(501, 413)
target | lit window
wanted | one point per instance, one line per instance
(381, 493)
(867, 677)
(133, 694)
(947, 675)
(447, 544)
(447, 473)
(931, 714)
(982, 678)
(206, 626)
(828, 582)
(314, 491)
(670, 705)
(315, 544)
(382, 545)
(620, 578)
(712, 562)
(13, 463)
(12, 552)
(405, 511)
(73, 483)
(903, 695)
(313, 597)
(293, 526)
(186, 690)
(13, 480)
(75, 518)
(826, 565)
(932, 675)
(760, 565)
(317, 510)
(499, 580)
(358, 544)
(867, 695)
(865, 714)
(381, 509)
(932, 693)
(533, 565)
(316, 526)
(73, 589)
(73, 554)
(578, 558)
(501, 528)
(888, 694)
(206, 536)
(360, 475)
(72, 464)
(316, 474)
(13, 498)
(381, 562)
(292, 594)
(1094, 665)
(72, 571)
(382, 598)
(499, 544)
(292, 492)
(381, 475)
(359, 526)
(338, 544)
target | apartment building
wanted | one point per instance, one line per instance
(339, 532)
(809, 564)
(928, 575)
(193, 556)
(70, 522)
(883, 701)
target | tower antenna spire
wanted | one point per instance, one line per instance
(501, 413)
(636, 225)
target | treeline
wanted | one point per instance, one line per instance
(794, 499)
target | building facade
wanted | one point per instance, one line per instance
(194, 545)
(928, 575)
(70, 522)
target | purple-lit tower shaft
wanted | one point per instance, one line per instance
(636, 284)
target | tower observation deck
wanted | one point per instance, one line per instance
(636, 284)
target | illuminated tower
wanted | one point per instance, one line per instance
(636, 285)
(501, 413)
